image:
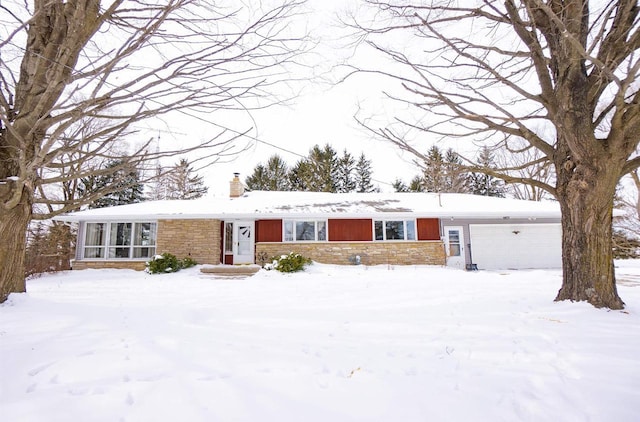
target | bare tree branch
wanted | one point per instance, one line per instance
(560, 76)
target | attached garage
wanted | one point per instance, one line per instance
(516, 246)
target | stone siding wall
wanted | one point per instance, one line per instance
(201, 240)
(198, 239)
(371, 253)
(129, 265)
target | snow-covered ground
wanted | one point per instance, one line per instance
(331, 344)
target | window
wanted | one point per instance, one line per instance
(94, 243)
(120, 240)
(228, 238)
(395, 229)
(304, 231)
(144, 240)
(454, 242)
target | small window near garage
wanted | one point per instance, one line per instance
(120, 240)
(395, 229)
(305, 231)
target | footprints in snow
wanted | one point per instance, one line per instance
(75, 382)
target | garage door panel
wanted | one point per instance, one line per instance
(516, 246)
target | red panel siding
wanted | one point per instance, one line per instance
(350, 230)
(269, 231)
(428, 229)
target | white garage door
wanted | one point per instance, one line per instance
(516, 246)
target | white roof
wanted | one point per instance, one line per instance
(267, 205)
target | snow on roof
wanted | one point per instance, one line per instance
(265, 205)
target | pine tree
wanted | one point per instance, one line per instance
(299, 176)
(443, 173)
(399, 186)
(455, 177)
(258, 179)
(182, 184)
(416, 185)
(274, 176)
(434, 172)
(321, 171)
(363, 175)
(277, 174)
(121, 181)
(345, 173)
(484, 184)
(322, 175)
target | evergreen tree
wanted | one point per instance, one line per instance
(484, 184)
(182, 184)
(299, 176)
(321, 171)
(277, 174)
(443, 173)
(363, 175)
(322, 175)
(434, 173)
(345, 173)
(317, 172)
(274, 176)
(258, 179)
(455, 177)
(121, 181)
(416, 185)
(399, 186)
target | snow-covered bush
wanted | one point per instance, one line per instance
(288, 263)
(188, 262)
(168, 263)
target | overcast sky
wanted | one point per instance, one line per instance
(323, 113)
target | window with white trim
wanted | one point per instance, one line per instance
(395, 229)
(120, 240)
(95, 240)
(305, 230)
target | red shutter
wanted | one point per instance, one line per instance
(428, 229)
(354, 230)
(269, 231)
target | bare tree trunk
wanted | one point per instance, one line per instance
(585, 193)
(587, 257)
(67, 77)
(13, 232)
(636, 182)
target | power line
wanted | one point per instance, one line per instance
(192, 115)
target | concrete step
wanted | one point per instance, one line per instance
(235, 271)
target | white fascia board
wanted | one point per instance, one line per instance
(75, 218)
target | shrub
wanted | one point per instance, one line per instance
(188, 262)
(168, 263)
(289, 263)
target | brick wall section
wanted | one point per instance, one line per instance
(371, 253)
(129, 265)
(199, 239)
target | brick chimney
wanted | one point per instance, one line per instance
(236, 188)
